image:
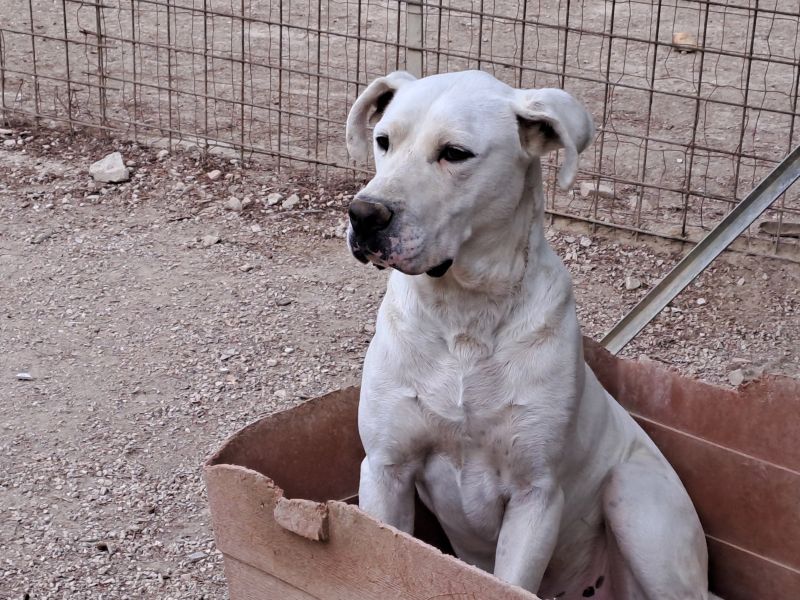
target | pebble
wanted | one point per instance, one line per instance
(41, 237)
(590, 188)
(701, 301)
(245, 268)
(9, 143)
(283, 301)
(341, 230)
(214, 175)
(632, 283)
(685, 41)
(274, 198)
(585, 242)
(233, 204)
(23, 376)
(736, 377)
(228, 354)
(256, 228)
(110, 169)
(291, 202)
(209, 240)
(196, 556)
(162, 154)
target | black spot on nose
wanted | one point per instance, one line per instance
(599, 582)
(369, 217)
(588, 592)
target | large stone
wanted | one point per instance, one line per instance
(110, 169)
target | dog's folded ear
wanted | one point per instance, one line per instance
(550, 119)
(368, 109)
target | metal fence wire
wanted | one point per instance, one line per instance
(695, 100)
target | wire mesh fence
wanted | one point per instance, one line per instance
(695, 100)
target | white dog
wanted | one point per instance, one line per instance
(475, 392)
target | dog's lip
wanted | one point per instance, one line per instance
(441, 269)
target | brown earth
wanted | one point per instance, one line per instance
(148, 345)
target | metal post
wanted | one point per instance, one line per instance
(414, 37)
(101, 67)
(694, 263)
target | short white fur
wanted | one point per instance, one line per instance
(475, 392)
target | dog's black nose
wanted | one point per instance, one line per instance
(369, 217)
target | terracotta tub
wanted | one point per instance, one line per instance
(282, 490)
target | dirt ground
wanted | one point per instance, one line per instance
(154, 322)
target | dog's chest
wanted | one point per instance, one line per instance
(476, 413)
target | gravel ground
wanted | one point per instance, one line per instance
(156, 317)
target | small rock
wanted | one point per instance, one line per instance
(283, 301)
(585, 242)
(234, 204)
(9, 143)
(271, 362)
(288, 350)
(740, 282)
(228, 354)
(245, 268)
(214, 175)
(685, 41)
(209, 240)
(736, 377)
(701, 301)
(23, 376)
(41, 237)
(291, 202)
(110, 169)
(590, 188)
(162, 154)
(341, 230)
(5, 132)
(255, 228)
(196, 556)
(274, 198)
(632, 283)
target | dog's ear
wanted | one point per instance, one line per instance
(550, 119)
(368, 109)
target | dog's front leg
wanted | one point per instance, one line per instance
(387, 493)
(528, 536)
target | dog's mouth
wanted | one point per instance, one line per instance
(440, 270)
(366, 255)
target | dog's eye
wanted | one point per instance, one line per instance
(454, 154)
(383, 142)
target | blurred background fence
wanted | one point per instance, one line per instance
(695, 100)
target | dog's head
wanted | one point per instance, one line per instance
(451, 156)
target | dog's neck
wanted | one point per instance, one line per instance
(493, 267)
